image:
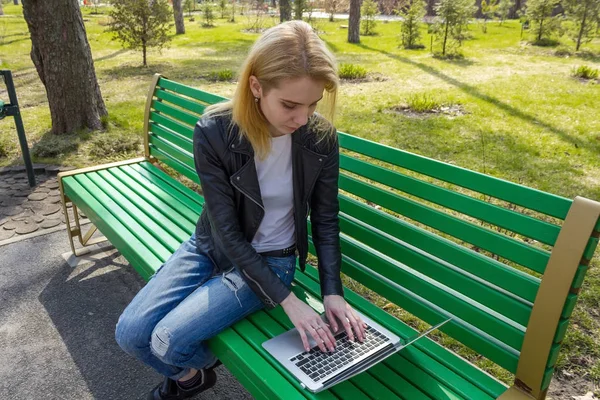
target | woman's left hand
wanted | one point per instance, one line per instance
(336, 310)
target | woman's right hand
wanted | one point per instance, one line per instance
(307, 321)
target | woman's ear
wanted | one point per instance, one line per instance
(255, 86)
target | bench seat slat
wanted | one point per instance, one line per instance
(178, 213)
(175, 113)
(506, 247)
(447, 275)
(361, 386)
(517, 282)
(155, 246)
(163, 230)
(244, 362)
(533, 199)
(271, 326)
(430, 376)
(513, 221)
(150, 172)
(144, 261)
(254, 337)
(163, 192)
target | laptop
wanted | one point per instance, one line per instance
(319, 371)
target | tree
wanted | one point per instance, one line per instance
(16, 2)
(232, 19)
(488, 10)
(223, 7)
(388, 7)
(190, 5)
(285, 10)
(178, 14)
(62, 57)
(540, 12)
(333, 6)
(369, 9)
(1, 8)
(503, 9)
(585, 16)
(140, 24)
(299, 6)
(209, 15)
(452, 21)
(412, 17)
(354, 22)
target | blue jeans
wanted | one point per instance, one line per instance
(184, 304)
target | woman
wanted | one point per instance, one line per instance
(264, 160)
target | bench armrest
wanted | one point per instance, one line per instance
(550, 299)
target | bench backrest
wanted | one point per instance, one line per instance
(435, 239)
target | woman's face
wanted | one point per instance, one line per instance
(288, 106)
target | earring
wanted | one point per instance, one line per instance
(256, 99)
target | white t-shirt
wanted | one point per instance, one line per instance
(276, 230)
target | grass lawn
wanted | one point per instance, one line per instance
(523, 117)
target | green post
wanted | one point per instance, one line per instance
(12, 110)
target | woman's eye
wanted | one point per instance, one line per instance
(289, 107)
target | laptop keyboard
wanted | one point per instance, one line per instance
(318, 365)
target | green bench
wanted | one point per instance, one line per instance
(414, 230)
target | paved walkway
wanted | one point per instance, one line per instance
(25, 210)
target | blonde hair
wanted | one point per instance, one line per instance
(287, 51)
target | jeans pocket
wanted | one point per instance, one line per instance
(284, 267)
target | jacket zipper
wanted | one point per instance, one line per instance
(247, 195)
(260, 287)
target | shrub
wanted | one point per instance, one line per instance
(546, 42)
(222, 75)
(54, 146)
(352, 71)
(422, 102)
(585, 72)
(4, 143)
(563, 51)
(109, 144)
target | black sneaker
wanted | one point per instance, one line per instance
(171, 390)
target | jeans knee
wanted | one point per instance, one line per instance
(129, 336)
(166, 348)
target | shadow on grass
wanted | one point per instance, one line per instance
(473, 91)
(180, 70)
(3, 43)
(111, 55)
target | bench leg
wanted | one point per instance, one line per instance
(73, 232)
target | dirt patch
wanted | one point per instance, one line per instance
(371, 77)
(449, 110)
(568, 387)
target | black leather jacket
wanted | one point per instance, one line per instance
(233, 207)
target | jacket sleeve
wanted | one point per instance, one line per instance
(325, 224)
(220, 207)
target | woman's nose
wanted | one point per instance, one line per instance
(301, 118)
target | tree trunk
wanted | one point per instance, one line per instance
(63, 59)
(354, 22)
(430, 7)
(582, 29)
(144, 50)
(1, 9)
(16, 2)
(285, 10)
(178, 14)
(445, 38)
